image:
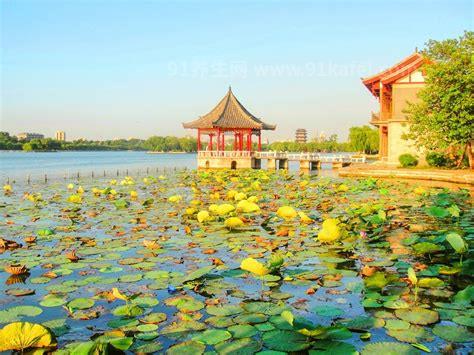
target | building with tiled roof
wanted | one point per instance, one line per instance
(394, 88)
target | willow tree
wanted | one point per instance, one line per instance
(444, 116)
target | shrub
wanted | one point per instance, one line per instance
(407, 160)
(437, 159)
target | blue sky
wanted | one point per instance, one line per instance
(105, 69)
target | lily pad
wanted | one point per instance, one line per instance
(389, 348)
(212, 336)
(285, 340)
(453, 333)
(80, 303)
(417, 315)
(189, 347)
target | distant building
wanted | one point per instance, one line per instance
(394, 88)
(25, 136)
(60, 136)
(301, 135)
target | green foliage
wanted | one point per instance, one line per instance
(8, 142)
(407, 160)
(42, 145)
(170, 144)
(364, 139)
(437, 159)
(444, 115)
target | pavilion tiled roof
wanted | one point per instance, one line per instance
(229, 113)
(395, 72)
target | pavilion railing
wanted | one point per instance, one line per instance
(224, 154)
(333, 158)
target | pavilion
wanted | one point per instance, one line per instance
(229, 118)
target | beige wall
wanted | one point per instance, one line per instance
(398, 146)
(401, 94)
(225, 163)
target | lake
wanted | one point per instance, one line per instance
(18, 165)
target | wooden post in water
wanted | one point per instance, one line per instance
(78, 176)
(28, 180)
(45, 178)
(92, 174)
(147, 171)
(126, 172)
(117, 172)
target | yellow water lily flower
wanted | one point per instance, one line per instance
(342, 188)
(70, 186)
(75, 199)
(231, 194)
(7, 188)
(247, 207)
(330, 231)
(175, 198)
(203, 216)
(23, 335)
(233, 222)
(190, 211)
(113, 192)
(215, 196)
(254, 266)
(287, 212)
(304, 217)
(96, 191)
(420, 190)
(162, 177)
(133, 194)
(223, 209)
(252, 199)
(80, 190)
(304, 183)
(113, 182)
(117, 294)
(239, 196)
(145, 181)
(34, 197)
(256, 185)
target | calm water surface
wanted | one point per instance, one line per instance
(19, 165)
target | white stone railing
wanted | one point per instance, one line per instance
(341, 158)
(311, 157)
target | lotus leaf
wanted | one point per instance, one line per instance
(417, 315)
(80, 303)
(23, 335)
(285, 340)
(212, 336)
(245, 346)
(189, 347)
(389, 348)
(453, 334)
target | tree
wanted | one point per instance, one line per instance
(364, 139)
(444, 116)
